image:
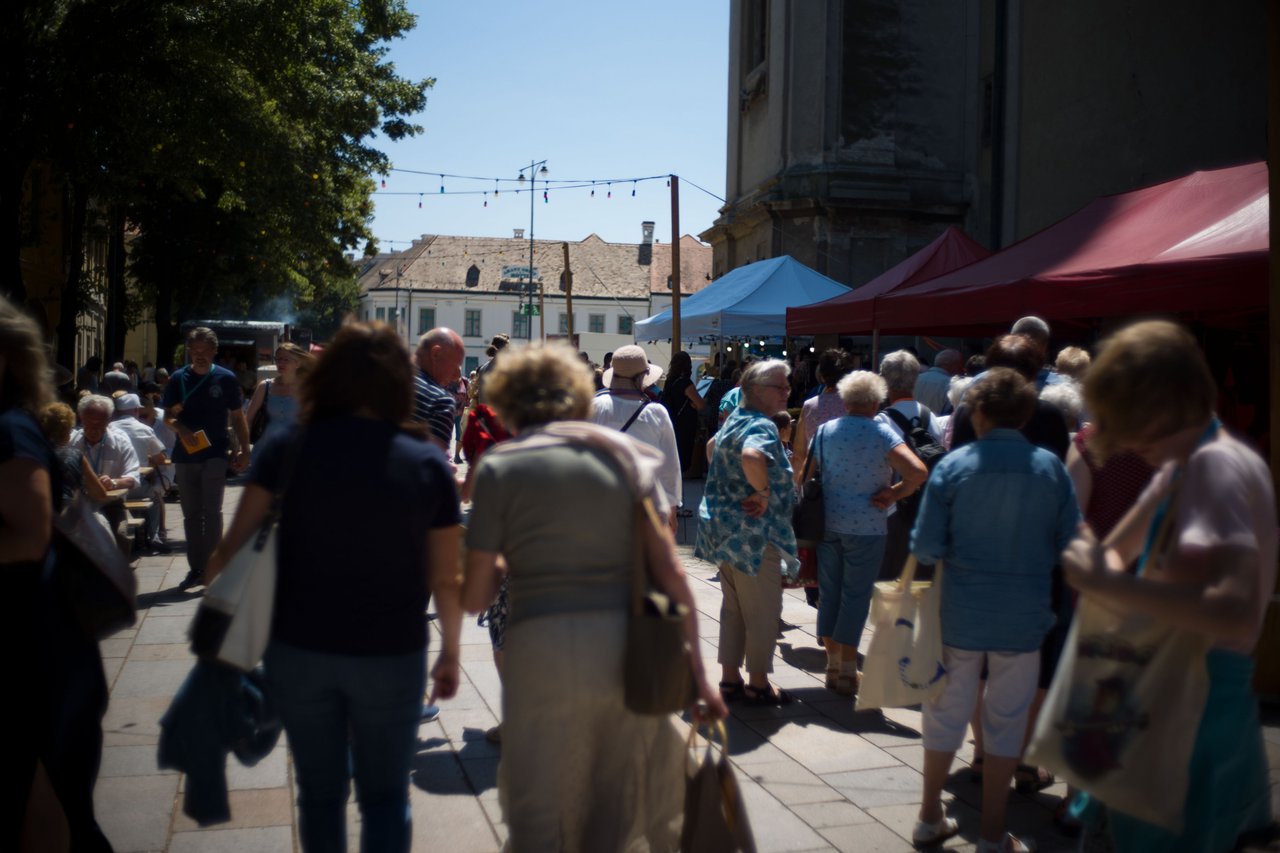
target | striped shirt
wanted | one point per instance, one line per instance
(434, 406)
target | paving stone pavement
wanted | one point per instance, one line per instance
(814, 774)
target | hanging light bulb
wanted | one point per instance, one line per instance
(442, 183)
(593, 189)
(544, 197)
(633, 189)
(610, 194)
(419, 201)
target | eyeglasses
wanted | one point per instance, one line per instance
(786, 388)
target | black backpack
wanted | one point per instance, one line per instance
(915, 432)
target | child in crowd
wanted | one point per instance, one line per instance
(782, 420)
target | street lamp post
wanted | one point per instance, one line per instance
(533, 175)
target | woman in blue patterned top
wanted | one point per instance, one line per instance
(856, 456)
(745, 528)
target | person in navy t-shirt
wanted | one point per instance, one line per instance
(198, 401)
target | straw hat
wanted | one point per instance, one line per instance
(629, 363)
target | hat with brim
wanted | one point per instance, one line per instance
(629, 364)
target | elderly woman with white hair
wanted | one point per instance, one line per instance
(856, 456)
(745, 528)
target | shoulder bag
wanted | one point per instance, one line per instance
(657, 668)
(263, 418)
(233, 623)
(808, 519)
(92, 576)
(903, 666)
(1120, 717)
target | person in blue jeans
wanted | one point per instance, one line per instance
(856, 456)
(347, 658)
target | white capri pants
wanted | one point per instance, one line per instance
(1011, 685)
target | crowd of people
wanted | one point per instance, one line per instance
(1019, 486)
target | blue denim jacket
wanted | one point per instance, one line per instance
(998, 512)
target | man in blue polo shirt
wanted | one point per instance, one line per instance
(197, 403)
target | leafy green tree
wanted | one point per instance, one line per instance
(234, 136)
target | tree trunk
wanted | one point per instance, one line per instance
(166, 332)
(116, 326)
(12, 285)
(73, 289)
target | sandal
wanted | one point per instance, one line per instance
(1038, 781)
(766, 695)
(732, 691)
(931, 834)
(833, 676)
(847, 685)
(975, 771)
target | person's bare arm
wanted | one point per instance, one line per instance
(482, 579)
(695, 399)
(912, 471)
(26, 507)
(92, 485)
(668, 576)
(259, 395)
(1081, 476)
(255, 504)
(241, 427)
(442, 562)
(1224, 606)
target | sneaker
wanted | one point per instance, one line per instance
(931, 834)
(1008, 844)
(158, 546)
(193, 578)
(430, 713)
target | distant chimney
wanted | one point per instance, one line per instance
(519, 233)
(646, 229)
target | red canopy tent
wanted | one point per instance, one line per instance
(1195, 245)
(854, 311)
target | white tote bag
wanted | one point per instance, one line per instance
(903, 665)
(1121, 716)
(233, 623)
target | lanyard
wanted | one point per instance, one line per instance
(183, 380)
(1158, 520)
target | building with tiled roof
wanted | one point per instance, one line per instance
(480, 286)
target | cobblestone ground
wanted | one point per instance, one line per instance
(815, 775)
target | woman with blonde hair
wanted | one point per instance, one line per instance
(1152, 393)
(280, 395)
(557, 502)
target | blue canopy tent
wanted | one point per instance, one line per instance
(750, 301)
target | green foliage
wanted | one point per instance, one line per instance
(235, 134)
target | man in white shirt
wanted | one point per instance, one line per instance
(111, 456)
(624, 405)
(148, 446)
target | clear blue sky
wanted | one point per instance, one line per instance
(599, 90)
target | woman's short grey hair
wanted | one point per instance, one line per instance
(1069, 399)
(95, 401)
(955, 391)
(900, 370)
(862, 390)
(759, 373)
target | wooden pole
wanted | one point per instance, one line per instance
(675, 265)
(568, 288)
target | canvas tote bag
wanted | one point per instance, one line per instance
(903, 665)
(1120, 718)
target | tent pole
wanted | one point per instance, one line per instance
(875, 348)
(675, 265)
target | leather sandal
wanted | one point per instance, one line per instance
(1028, 779)
(833, 675)
(766, 695)
(732, 691)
